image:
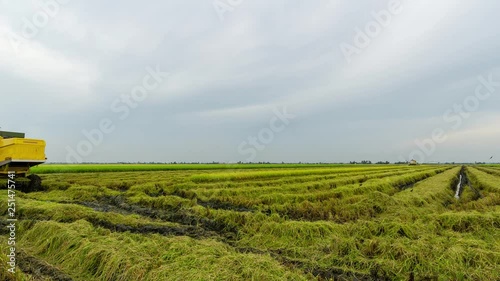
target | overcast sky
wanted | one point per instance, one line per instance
(253, 80)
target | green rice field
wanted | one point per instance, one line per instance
(258, 222)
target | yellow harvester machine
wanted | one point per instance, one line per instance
(18, 154)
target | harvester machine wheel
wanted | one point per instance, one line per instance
(31, 183)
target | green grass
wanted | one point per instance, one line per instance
(92, 168)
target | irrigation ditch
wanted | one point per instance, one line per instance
(461, 182)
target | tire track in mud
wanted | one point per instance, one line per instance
(332, 273)
(119, 205)
(190, 231)
(225, 205)
(40, 269)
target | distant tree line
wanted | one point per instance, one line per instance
(363, 162)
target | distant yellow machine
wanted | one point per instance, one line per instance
(18, 154)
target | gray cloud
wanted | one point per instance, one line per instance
(226, 77)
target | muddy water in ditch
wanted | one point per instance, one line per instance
(459, 186)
